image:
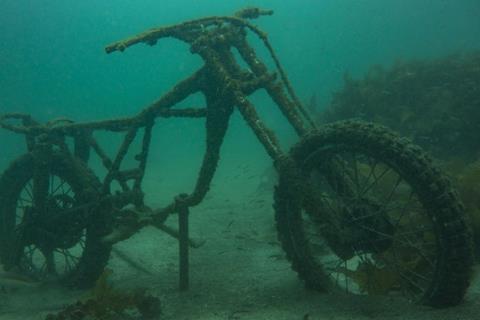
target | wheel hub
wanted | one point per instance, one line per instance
(60, 226)
(362, 226)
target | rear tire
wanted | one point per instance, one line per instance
(71, 251)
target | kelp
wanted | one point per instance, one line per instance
(375, 278)
(104, 302)
(468, 182)
(434, 102)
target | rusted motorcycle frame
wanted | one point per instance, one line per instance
(330, 181)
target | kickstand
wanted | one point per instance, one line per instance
(183, 212)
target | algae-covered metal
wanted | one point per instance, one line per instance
(355, 205)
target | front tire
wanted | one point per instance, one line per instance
(359, 208)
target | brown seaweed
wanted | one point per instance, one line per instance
(104, 302)
(434, 102)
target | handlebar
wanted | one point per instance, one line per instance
(187, 31)
(26, 122)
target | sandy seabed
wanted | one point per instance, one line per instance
(239, 273)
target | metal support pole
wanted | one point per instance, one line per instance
(183, 246)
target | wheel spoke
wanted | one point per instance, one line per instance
(50, 262)
(370, 174)
(389, 226)
(52, 182)
(69, 259)
(29, 189)
(375, 181)
(59, 185)
(392, 192)
(355, 172)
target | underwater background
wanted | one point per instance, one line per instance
(52, 61)
(53, 64)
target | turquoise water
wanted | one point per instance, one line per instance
(52, 61)
(53, 64)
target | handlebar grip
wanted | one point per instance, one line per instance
(252, 13)
(26, 120)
